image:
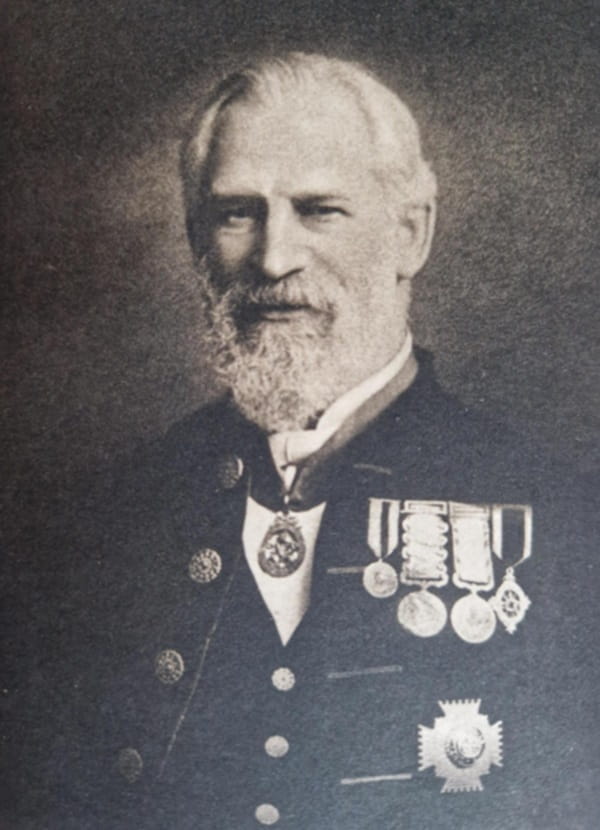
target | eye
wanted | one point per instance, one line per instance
(320, 210)
(234, 215)
(235, 218)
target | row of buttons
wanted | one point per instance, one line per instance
(276, 747)
(283, 679)
(204, 567)
(169, 668)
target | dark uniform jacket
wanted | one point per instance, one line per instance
(153, 693)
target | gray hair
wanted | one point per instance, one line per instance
(394, 131)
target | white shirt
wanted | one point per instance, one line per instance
(287, 598)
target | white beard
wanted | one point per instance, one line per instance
(282, 375)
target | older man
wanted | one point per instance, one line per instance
(321, 603)
(310, 209)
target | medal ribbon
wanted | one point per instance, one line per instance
(384, 520)
(498, 511)
(425, 539)
(471, 545)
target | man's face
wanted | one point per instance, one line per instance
(300, 224)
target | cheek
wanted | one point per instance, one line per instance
(365, 263)
(230, 252)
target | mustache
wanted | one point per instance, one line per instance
(289, 292)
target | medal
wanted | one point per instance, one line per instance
(422, 613)
(510, 601)
(424, 553)
(380, 579)
(283, 549)
(462, 746)
(472, 617)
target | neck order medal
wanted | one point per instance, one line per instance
(283, 549)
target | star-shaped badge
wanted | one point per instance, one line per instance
(461, 746)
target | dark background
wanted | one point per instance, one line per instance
(100, 311)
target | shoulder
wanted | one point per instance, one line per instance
(429, 435)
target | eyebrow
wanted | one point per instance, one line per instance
(308, 196)
(234, 194)
(320, 197)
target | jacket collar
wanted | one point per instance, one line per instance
(364, 435)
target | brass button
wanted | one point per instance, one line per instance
(283, 679)
(130, 764)
(267, 814)
(205, 566)
(230, 469)
(277, 746)
(169, 666)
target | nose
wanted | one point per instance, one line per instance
(279, 251)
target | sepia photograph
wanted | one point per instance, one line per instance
(300, 427)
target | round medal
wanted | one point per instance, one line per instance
(473, 619)
(464, 746)
(422, 613)
(380, 579)
(283, 549)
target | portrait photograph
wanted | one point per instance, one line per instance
(300, 417)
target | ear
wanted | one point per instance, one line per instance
(415, 235)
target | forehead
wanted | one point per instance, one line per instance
(292, 143)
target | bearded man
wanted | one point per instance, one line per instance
(321, 603)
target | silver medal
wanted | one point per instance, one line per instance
(283, 549)
(423, 553)
(473, 619)
(422, 613)
(380, 579)
(462, 746)
(510, 602)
